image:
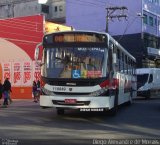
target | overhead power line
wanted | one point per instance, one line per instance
(112, 15)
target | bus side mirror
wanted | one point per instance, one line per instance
(36, 53)
(114, 58)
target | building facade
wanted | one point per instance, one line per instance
(54, 10)
(141, 33)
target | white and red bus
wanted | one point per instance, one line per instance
(85, 70)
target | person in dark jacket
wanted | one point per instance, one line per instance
(34, 91)
(6, 91)
(38, 89)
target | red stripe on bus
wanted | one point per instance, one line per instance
(107, 83)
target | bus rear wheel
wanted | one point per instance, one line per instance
(130, 99)
(60, 111)
(148, 94)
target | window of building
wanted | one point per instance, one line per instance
(154, 1)
(151, 1)
(55, 9)
(159, 25)
(145, 42)
(60, 8)
(150, 41)
(150, 21)
(157, 1)
(155, 22)
(45, 8)
(145, 19)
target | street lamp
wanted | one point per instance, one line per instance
(42, 1)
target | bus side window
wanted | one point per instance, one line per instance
(123, 62)
(110, 57)
(110, 60)
(118, 60)
(126, 64)
(150, 78)
(134, 68)
(131, 67)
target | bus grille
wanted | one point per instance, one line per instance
(78, 103)
(68, 93)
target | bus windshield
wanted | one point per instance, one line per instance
(75, 63)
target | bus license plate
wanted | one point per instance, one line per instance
(70, 101)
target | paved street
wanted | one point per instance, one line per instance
(24, 121)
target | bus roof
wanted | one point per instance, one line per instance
(104, 33)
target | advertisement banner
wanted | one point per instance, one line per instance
(27, 73)
(20, 73)
(16, 74)
(36, 71)
(6, 67)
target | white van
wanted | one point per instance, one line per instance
(148, 82)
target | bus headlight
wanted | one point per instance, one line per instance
(143, 88)
(98, 92)
(47, 92)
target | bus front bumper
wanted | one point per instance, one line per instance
(80, 102)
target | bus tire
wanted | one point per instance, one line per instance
(43, 107)
(60, 111)
(114, 110)
(148, 95)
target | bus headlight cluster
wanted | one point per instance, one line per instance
(144, 88)
(98, 92)
(47, 92)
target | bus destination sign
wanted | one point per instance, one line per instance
(79, 38)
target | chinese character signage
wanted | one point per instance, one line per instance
(36, 71)
(27, 73)
(16, 74)
(6, 67)
(20, 73)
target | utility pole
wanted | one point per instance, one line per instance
(111, 14)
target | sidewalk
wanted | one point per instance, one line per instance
(19, 103)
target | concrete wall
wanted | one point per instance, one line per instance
(18, 8)
(57, 10)
(26, 9)
(91, 15)
(133, 23)
(86, 14)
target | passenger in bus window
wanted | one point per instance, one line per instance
(90, 65)
(66, 62)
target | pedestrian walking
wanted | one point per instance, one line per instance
(6, 92)
(35, 92)
(38, 89)
(1, 90)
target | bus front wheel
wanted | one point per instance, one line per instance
(114, 110)
(60, 111)
(130, 98)
(148, 94)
